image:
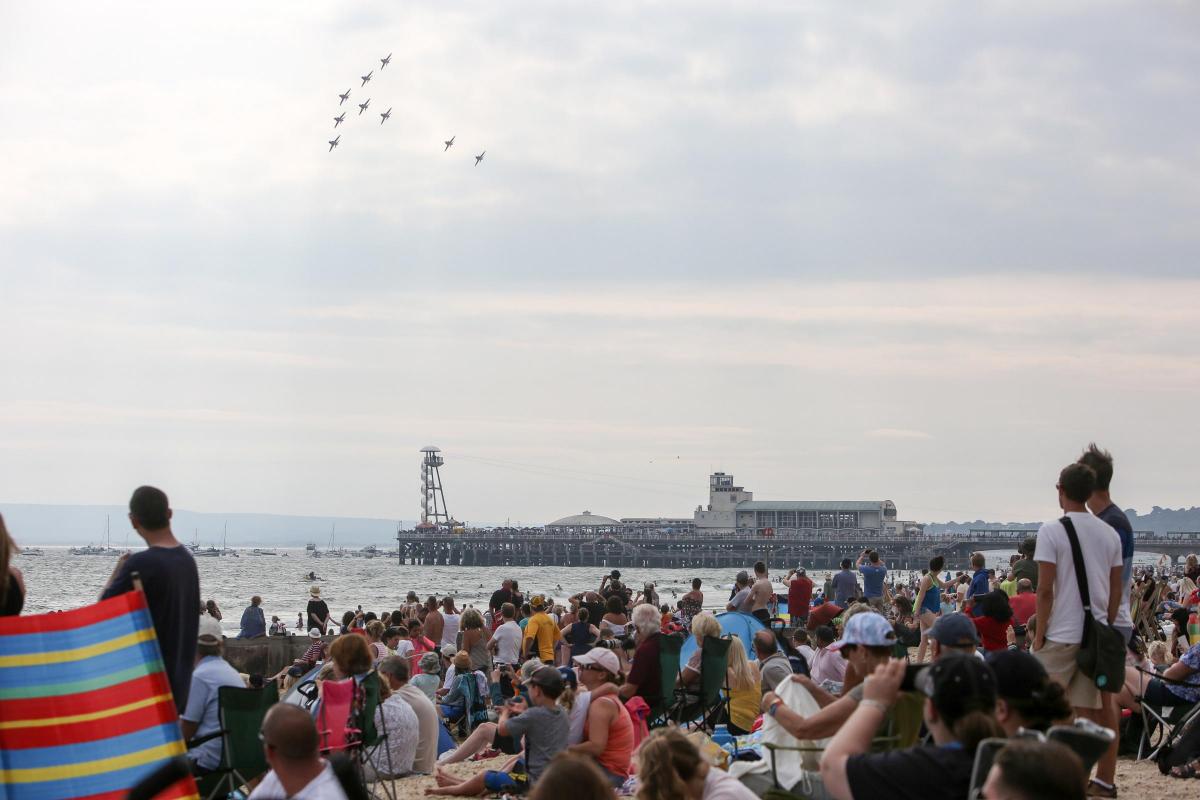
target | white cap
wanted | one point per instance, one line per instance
(210, 630)
(602, 657)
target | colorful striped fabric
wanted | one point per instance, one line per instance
(85, 707)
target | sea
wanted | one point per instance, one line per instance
(58, 580)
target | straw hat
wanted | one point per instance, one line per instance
(315, 591)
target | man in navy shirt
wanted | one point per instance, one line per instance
(873, 575)
(845, 585)
(171, 585)
(979, 582)
(1101, 504)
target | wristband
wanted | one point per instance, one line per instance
(771, 709)
(872, 703)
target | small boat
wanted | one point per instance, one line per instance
(93, 550)
(311, 546)
(32, 551)
(264, 551)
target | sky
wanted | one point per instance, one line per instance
(923, 252)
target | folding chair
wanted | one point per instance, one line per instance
(334, 717)
(240, 714)
(1085, 738)
(1159, 724)
(373, 747)
(669, 669)
(703, 711)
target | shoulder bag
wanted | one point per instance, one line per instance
(1101, 653)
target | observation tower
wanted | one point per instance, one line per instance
(434, 515)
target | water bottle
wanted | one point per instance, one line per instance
(722, 737)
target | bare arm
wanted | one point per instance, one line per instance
(1114, 593)
(1045, 600)
(926, 585)
(855, 736)
(600, 717)
(820, 725)
(1178, 671)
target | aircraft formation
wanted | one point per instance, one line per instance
(383, 116)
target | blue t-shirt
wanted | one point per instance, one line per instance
(1117, 520)
(979, 586)
(873, 579)
(845, 586)
(211, 674)
(172, 588)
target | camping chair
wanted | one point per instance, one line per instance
(669, 670)
(704, 710)
(240, 714)
(1145, 618)
(1085, 738)
(372, 745)
(1159, 724)
(334, 723)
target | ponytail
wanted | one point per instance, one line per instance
(973, 727)
(666, 761)
(1046, 706)
(567, 699)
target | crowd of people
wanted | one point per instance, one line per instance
(566, 691)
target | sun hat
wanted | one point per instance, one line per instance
(209, 631)
(449, 651)
(866, 628)
(601, 657)
(954, 630)
(430, 662)
(462, 661)
(957, 684)
(314, 633)
(315, 591)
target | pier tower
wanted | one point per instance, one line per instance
(434, 515)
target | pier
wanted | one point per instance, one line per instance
(815, 549)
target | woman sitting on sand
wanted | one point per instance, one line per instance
(608, 732)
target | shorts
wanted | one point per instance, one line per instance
(1058, 659)
(516, 782)
(762, 615)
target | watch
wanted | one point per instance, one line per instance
(775, 704)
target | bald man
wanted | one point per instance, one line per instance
(297, 770)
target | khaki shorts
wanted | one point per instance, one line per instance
(1059, 662)
(877, 604)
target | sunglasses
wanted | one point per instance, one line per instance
(592, 668)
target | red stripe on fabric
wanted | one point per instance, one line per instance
(65, 705)
(76, 618)
(81, 733)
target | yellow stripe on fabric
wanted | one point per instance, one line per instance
(88, 717)
(77, 653)
(83, 769)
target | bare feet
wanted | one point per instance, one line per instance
(444, 779)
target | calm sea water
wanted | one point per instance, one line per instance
(58, 581)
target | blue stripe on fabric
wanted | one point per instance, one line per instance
(78, 787)
(60, 755)
(94, 667)
(109, 629)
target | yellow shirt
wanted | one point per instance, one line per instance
(541, 628)
(744, 705)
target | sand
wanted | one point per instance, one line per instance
(1137, 780)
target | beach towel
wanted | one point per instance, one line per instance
(790, 765)
(639, 712)
(85, 707)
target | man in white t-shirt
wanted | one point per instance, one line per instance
(506, 641)
(297, 770)
(1059, 606)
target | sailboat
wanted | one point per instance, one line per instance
(331, 551)
(226, 550)
(92, 550)
(201, 552)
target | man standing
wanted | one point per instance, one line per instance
(1059, 606)
(254, 622)
(1101, 504)
(1024, 605)
(761, 593)
(540, 632)
(739, 598)
(800, 589)
(318, 612)
(290, 743)
(499, 598)
(201, 715)
(845, 585)
(170, 582)
(873, 574)
(1025, 567)
(980, 582)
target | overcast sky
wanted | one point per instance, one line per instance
(841, 250)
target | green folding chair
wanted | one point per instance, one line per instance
(240, 712)
(702, 710)
(668, 663)
(374, 739)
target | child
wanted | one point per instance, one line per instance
(429, 680)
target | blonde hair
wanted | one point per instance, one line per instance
(741, 674)
(375, 630)
(705, 624)
(1157, 652)
(471, 619)
(666, 762)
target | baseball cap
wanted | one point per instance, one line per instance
(537, 601)
(957, 684)
(449, 651)
(955, 630)
(548, 678)
(800, 570)
(866, 628)
(569, 677)
(601, 657)
(209, 631)
(1019, 676)
(616, 574)
(314, 633)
